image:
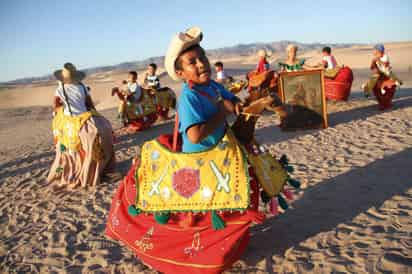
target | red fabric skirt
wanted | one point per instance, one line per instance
(384, 100)
(141, 124)
(187, 243)
(163, 112)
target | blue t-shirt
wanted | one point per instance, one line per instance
(194, 108)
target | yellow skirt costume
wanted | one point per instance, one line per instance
(84, 148)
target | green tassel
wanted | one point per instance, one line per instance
(283, 204)
(59, 169)
(62, 148)
(289, 169)
(217, 222)
(294, 183)
(162, 218)
(284, 160)
(133, 211)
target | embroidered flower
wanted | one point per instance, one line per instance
(186, 182)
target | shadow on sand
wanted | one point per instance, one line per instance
(273, 134)
(334, 201)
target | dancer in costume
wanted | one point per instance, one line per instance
(164, 97)
(83, 138)
(151, 80)
(380, 67)
(383, 82)
(329, 63)
(263, 64)
(186, 205)
(262, 81)
(132, 94)
(140, 107)
(292, 63)
(221, 76)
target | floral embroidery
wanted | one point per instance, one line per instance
(186, 182)
(145, 243)
(115, 219)
(196, 246)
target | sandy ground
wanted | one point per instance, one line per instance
(354, 215)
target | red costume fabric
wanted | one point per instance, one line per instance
(339, 88)
(262, 65)
(187, 243)
(384, 100)
(141, 123)
(163, 112)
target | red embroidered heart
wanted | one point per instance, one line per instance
(186, 182)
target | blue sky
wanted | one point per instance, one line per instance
(37, 37)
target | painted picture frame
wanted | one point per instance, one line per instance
(304, 93)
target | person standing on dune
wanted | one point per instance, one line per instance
(83, 138)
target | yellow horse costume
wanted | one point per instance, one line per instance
(84, 148)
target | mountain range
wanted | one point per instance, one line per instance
(237, 50)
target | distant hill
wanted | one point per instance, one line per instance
(237, 50)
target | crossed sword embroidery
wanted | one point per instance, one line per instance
(222, 181)
(156, 184)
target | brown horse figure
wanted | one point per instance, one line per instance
(384, 98)
(152, 105)
(261, 84)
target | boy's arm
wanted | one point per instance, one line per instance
(192, 119)
(197, 133)
(231, 102)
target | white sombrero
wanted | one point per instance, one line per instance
(180, 43)
(69, 72)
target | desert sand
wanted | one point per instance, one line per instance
(353, 215)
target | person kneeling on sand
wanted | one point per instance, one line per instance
(83, 138)
(380, 66)
(329, 63)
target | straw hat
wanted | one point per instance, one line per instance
(69, 72)
(180, 43)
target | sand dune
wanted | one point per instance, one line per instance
(102, 83)
(354, 215)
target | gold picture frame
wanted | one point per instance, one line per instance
(306, 89)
